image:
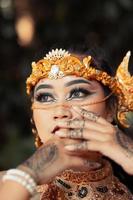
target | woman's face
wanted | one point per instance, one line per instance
(56, 98)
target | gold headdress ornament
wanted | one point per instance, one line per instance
(59, 63)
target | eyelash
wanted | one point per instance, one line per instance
(84, 91)
(39, 97)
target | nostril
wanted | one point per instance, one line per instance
(60, 117)
(65, 116)
(62, 114)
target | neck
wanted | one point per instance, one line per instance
(86, 176)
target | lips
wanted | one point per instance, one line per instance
(55, 129)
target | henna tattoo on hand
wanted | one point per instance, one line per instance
(76, 133)
(81, 146)
(90, 115)
(92, 164)
(125, 142)
(42, 159)
(76, 122)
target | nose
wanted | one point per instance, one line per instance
(62, 112)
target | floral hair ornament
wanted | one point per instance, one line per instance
(59, 63)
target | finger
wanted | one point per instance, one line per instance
(82, 146)
(90, 115)
(73, 123)
(85, 146)
(73, 134)
(82, 123)
(84, 134)
(77, 161)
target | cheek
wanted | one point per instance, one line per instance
(99, 108)
(43, 124)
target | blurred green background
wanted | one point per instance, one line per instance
(30, 28)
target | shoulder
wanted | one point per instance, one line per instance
(1, 174)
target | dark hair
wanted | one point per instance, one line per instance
(103, 65)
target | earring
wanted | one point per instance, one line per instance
(38, 142)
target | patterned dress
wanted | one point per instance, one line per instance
(98, 184)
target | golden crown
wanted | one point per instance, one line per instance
(59, 63)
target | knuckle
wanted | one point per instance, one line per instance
(76, 122)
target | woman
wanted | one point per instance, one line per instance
(74, 105)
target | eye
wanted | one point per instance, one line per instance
(78, 93)
(44, 97)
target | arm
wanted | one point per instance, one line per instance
(12, 190)
(126, 146)
(35, 197)
(10, 187)
(48, 161)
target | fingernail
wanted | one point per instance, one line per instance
(70, 147)
(92, 164)
(98, 164)
(95, 164)
(76, 107)
(59, 133)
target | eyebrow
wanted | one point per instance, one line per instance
(77, 82)
(43, 86)
(47, 86)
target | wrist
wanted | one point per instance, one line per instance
(22, 178)
(128, 166)
(29, 171)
